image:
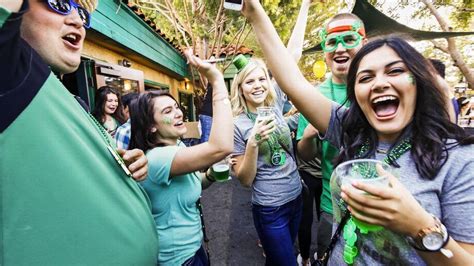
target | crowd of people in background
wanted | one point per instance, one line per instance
(119, 186)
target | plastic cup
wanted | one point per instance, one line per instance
(360, 170)
(265, 113)
(220, 170)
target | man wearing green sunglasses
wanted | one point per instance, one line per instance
(67, 196)
(342, 37)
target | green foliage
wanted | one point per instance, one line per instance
(201, 22)
(458, 14)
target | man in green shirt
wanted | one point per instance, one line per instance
(67, 196)
(342, 37)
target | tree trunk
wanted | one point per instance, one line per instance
(452, 49)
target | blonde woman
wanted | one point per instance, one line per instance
(264, 161)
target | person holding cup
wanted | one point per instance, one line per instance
(264, 159)
(396, 115)
(174, 183)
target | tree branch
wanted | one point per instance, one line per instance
(440, 47)
(452, 49)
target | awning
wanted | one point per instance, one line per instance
(377, 24)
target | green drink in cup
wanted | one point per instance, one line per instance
(360, 170)
(220, 171)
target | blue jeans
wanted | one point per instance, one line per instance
(277, 228)
(206, 123)
(199, 259)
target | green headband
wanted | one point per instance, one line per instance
(356, 26)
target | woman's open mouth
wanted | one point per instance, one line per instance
(179, 124)
(385, 106)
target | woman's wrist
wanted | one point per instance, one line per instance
(252, 143)
(220, 97)
(426, 220)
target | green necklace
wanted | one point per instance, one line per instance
(350, 228)
(112, 151)
(278, 155)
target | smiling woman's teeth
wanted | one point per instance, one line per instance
(384, 98)
(385, 105)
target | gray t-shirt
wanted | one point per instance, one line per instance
(450, 196)
(273, 185)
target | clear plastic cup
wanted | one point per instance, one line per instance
(265, 113)
(360, 170)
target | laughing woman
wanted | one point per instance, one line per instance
(174, 182)
(108, 109)
(397, 114)
(264, 161)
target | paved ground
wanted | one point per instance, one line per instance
(228, 217)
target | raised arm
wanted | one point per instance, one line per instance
(295, 44)
(310, 102)
(221, 141)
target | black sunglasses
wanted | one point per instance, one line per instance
(65, 7)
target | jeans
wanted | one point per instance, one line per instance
(206, 123)
(313, 195)
(199, 259)
(277, 228)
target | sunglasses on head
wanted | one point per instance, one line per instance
(65, 7)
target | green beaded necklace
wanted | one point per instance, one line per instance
(392, 156)
(350, 228)
(112, 151)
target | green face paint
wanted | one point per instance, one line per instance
(167, 120)
(411, 79)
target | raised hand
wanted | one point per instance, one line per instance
(249, 7)
(207, 69)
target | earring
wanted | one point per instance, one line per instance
(153, 130)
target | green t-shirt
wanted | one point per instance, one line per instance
(64, 199)
(337, 93)
(174, 208)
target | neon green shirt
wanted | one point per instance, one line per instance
(337, 93)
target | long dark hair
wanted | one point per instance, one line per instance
(142, 121)
(430, 128)
(101, 99)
